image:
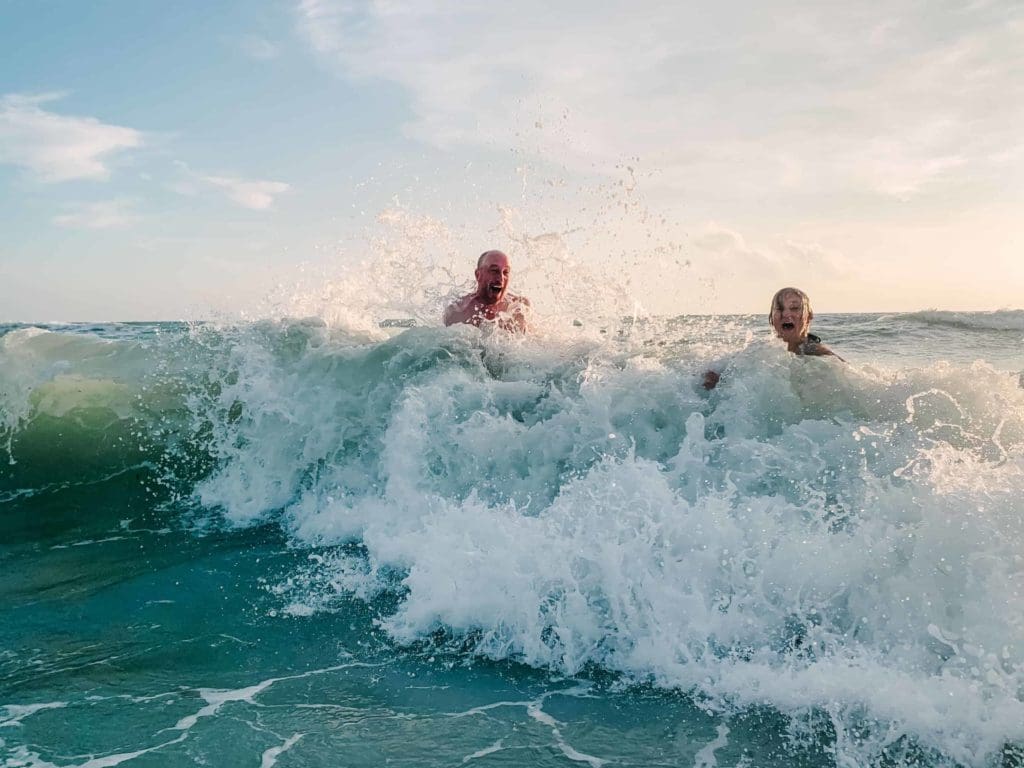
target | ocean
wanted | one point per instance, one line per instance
(304, 543)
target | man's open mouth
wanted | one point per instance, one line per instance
(496, 287)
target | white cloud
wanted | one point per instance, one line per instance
(185, 188)
(723, 249)
(725, 98)
(259, 48)
(255, 194)
(58, 147)
(249, 193)
(105, 214)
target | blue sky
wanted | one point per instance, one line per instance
(166, 161)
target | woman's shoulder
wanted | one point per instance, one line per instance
(813, 345)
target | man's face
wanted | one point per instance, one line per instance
(492, 277)
(790, 317)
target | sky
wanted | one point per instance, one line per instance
(163, 161)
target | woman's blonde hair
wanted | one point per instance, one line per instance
(777, 301)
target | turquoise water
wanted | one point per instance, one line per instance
(288, 543)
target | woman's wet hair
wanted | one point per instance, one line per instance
(777, 301)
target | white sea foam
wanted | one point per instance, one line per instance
(23, 757)
(15, 713)
(269, 758)
(706, 756)
(535, 710)
(497, 746)
(809, 536)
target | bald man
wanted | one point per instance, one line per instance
(491, 301)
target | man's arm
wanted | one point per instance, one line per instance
(456, 312)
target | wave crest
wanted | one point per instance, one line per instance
(1000, 320)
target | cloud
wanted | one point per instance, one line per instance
(185, 188)
(105, 214)
(725, 98)
(249, 193)
(58, 147)
(259, 48)
(742, 272)
(255, 194)
(721, 248)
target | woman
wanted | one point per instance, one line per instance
(790, 315)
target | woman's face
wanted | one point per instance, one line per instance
(790, 318)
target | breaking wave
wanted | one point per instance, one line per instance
(839, 543)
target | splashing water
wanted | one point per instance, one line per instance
(837, 545)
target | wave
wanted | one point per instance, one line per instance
(840, 544)
(1000, 320)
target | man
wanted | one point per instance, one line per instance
(491, 302)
